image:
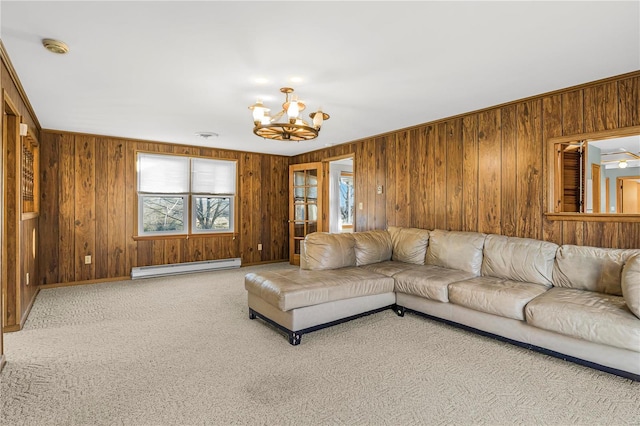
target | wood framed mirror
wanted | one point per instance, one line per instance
(587, 173)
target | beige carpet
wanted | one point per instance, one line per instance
(181, 350)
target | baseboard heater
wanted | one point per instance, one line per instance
(183, 268)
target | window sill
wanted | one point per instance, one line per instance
(594, 217)
(184, 236)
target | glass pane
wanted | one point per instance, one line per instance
(212, 214)
(297, 246)
(298, 229)
(299, 212)
(312, 177)
(312, 210)
(312, 227)
(162, 214)
(298, 194)
(298, 178)
(312, 193)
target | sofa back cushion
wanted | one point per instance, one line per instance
(372, 247)
(328, 251)
(519, 259)
(631, 284)
(590, 268)
(409, 244)
(456, 250)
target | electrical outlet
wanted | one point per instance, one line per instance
(259, 247)
(27, 278)
(87, 260)
(380, 189)
(360, 206)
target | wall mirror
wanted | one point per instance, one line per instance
(595, 174)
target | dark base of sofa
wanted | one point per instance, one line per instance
(401, 310)
(296, 336)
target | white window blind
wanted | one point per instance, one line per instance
(213, 176)
(166, 174)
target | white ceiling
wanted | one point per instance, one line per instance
(165, 70)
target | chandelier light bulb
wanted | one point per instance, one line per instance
(318, 118)
(623, 164)
(293, 110)
(258, 111)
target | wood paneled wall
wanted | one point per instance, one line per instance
(88, 207)
(485, 171)
(18, 238)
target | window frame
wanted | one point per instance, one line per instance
(189, 199)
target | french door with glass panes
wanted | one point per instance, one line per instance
(305, 205)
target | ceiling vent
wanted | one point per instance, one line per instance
(55, 46)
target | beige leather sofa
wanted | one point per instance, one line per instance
(577, 303)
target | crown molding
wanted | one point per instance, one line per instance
(4, 56)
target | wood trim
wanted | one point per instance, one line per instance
(338, 158)
(4, 56)
(606, 134)
(75, 283)
(184, 236)
(607, 183)
(27, 311)
(593, 217)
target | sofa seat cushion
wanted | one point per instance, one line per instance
(596, 317)
(389, 268)
(429, 281)
(497, 296)
(295, 288)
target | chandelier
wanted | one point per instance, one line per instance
(294, 128)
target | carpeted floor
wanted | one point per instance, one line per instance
(181, 350)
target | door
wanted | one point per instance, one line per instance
(628, 197)
(595, 186)
(305, 205)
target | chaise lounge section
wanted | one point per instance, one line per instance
(577, 303)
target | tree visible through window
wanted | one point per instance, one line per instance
(212, 213)
(346, 200)
(180, 195)
(163, 214)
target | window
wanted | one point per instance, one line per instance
(183, 195)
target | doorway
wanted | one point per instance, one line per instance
(341, 195)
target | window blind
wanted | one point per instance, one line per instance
(164, 174)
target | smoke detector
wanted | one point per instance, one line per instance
(55, 46)
(207, 135)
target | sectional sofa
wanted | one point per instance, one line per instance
(574, 302)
